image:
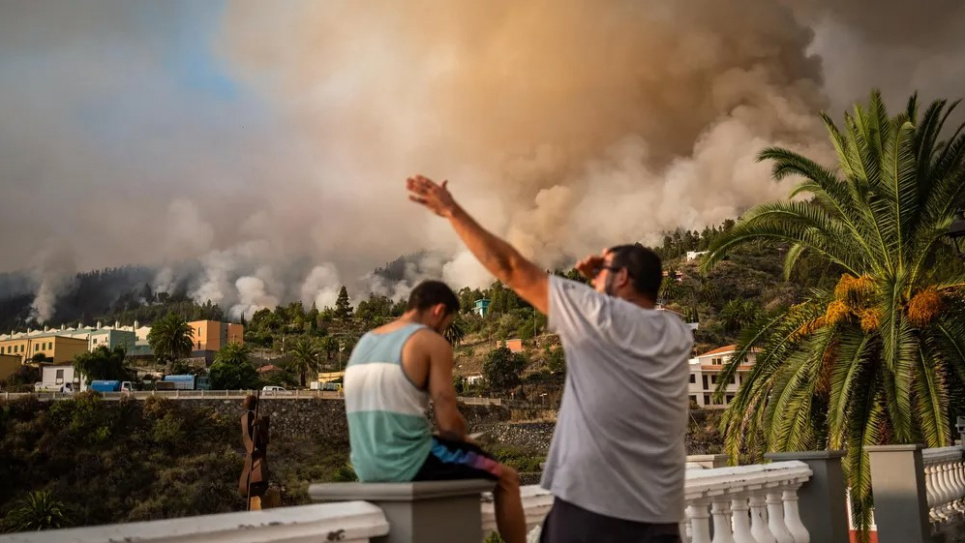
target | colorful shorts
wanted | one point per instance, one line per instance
(452, 460)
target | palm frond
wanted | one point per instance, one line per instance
(899, 173)
(788, 222)
(931, 401)
(899, 349)
(852, 368)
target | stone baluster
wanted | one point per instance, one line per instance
(742, 519)
(775, 517)
(955, 482)
(952, 485)
(699, 518)
(759, 527)
(792, 515)
(944, 483)
(685, 532)
(722, 525)
(931, 492)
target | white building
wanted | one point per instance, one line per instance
(705, 372)
(693, 255)
(59, 377)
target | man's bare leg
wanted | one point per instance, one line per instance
(510, 518)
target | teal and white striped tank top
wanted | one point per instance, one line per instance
(389, 432)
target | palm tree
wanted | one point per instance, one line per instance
(171, 337)
(304, 355)
(872, 361)
(37, 511)
(330, 346)
(456, 331)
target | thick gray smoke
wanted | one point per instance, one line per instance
(255, 152)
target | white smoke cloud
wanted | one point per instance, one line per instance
(321, 287)
(252, 297)
(54, 271)
(257, 155)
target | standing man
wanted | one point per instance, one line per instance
(617, 460)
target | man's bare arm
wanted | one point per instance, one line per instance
(500, 258)
(449, 421)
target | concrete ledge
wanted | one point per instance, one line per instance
(804, 455)
(419, 512)
(398, 492)
(709, 460)
(354, 522)
(894, 448)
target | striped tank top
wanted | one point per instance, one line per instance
(389, 432)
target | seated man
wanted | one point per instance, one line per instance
(392, 373)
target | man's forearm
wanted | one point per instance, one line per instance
(496, 255)
(455, 431)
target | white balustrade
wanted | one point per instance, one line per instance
(944, 483)
(744, 504)
(347, 522)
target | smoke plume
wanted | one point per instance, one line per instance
(255, 152)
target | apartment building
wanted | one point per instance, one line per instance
(213, 335)
(58, 349)
(705, 375)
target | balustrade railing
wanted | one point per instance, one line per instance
(745, 504)
(944, 483)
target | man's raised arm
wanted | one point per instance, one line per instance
(500, 258)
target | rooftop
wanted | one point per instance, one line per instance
(719, 350)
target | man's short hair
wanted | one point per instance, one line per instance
(429, 293)
(643, 265)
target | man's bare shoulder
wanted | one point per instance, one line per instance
(429, 339)
(425, 341)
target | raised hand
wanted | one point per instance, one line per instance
(590, 265)
(435, 197)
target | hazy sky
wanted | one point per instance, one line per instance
(257, 150)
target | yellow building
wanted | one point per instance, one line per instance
(58, 349)
(9, 364)
(213, 335)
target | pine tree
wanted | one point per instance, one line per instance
(343, 308)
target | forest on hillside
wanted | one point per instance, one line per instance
(735, 292)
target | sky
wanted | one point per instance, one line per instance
(255, 152)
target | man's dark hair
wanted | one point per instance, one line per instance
(643, 265)
(429, 293)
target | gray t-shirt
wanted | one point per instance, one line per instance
(618, 449)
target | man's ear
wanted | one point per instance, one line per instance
(625, 273)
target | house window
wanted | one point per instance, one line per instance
(693, 398)
(730, 398)
(706, 386)
(717, 361)
(693, 378)
(706, 399)
(713, 379)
